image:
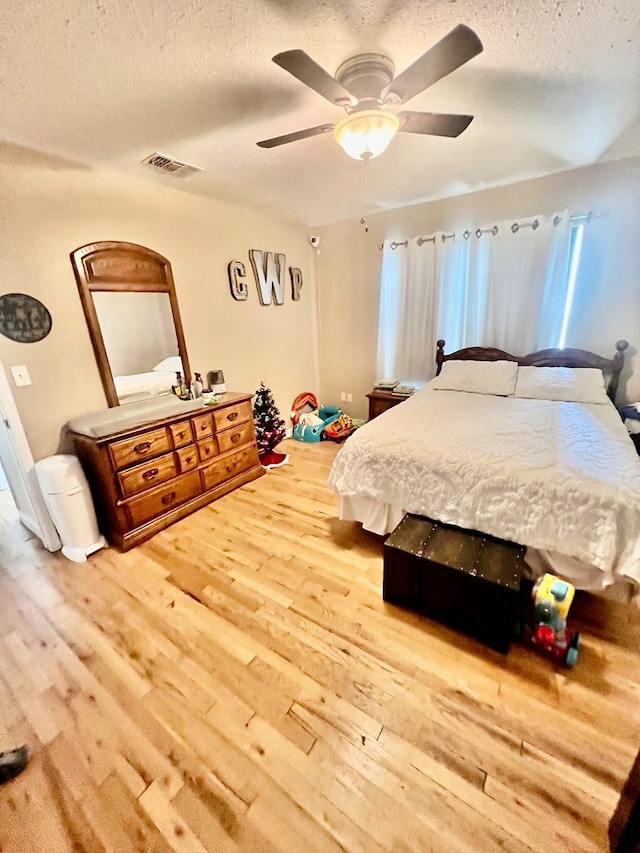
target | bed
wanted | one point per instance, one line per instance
(143, 386)
(157, 382)
(502, 445)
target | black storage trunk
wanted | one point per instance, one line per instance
(466, 579)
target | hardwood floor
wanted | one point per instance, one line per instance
(237, 683)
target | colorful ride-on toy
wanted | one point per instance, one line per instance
(546, 628)
(309, 426)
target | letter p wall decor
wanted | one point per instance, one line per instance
(269, 270)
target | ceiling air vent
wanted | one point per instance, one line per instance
(169, 164)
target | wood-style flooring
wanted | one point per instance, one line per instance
(237, 683)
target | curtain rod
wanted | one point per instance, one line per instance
(515, 227)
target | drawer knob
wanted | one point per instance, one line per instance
(168, 499)
(235, 438)
(231, 467)
(232, 416)
(150, 474)
(203, 426)
(143, 447)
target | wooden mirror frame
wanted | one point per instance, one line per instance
(117, 267)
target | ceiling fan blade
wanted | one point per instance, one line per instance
(298, 134)
(434, 124)
(300, 65)
(452, 51)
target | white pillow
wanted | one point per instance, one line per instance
(173, 364)
(569, 384)
(479, 377)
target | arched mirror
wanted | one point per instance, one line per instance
(130, 304)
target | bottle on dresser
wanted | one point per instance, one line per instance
(180, 388)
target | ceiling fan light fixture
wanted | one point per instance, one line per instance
(366, 133)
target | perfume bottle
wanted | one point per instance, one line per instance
(198, 385)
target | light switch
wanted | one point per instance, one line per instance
(21, 375)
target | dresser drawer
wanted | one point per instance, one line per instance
(187, 458)
(148, 474)
(235, 437)
(207, 449)
(228, 466)
(145, 446)
(202, 426)
(232, 415)
(163, 498)
(181, 433)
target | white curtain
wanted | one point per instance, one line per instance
(453, 289)
(554, 309)
(521, 262)
(408, 312)
(506, 286)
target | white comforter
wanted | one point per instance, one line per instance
(560, 477)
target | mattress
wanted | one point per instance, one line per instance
(561, 478)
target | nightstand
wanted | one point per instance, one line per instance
(380, 401)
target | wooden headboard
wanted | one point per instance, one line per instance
(544, 358)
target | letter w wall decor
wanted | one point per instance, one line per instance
(269, 270)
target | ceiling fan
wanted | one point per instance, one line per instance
(366, 88)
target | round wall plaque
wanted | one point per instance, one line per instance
(23, 318)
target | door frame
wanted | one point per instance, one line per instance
(20, 472)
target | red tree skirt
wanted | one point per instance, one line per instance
(271, 459)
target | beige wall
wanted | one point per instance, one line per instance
(349, 265)
(48, 208)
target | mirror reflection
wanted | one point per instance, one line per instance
(140, 341)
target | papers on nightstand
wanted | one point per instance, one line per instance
(403, 390)
(394, 386)
(386, 384)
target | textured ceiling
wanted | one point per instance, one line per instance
(108, 82)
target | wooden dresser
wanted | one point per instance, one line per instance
(145, 477)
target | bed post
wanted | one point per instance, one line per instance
(618, 362)
(439, 356)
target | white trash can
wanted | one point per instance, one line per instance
(67, 496)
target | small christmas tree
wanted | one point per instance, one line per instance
(270, 428)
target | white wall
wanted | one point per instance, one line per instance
(49, 208)
(349, 266)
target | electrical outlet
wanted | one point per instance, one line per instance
(21, 375)
(343, 396)
(349, 397)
